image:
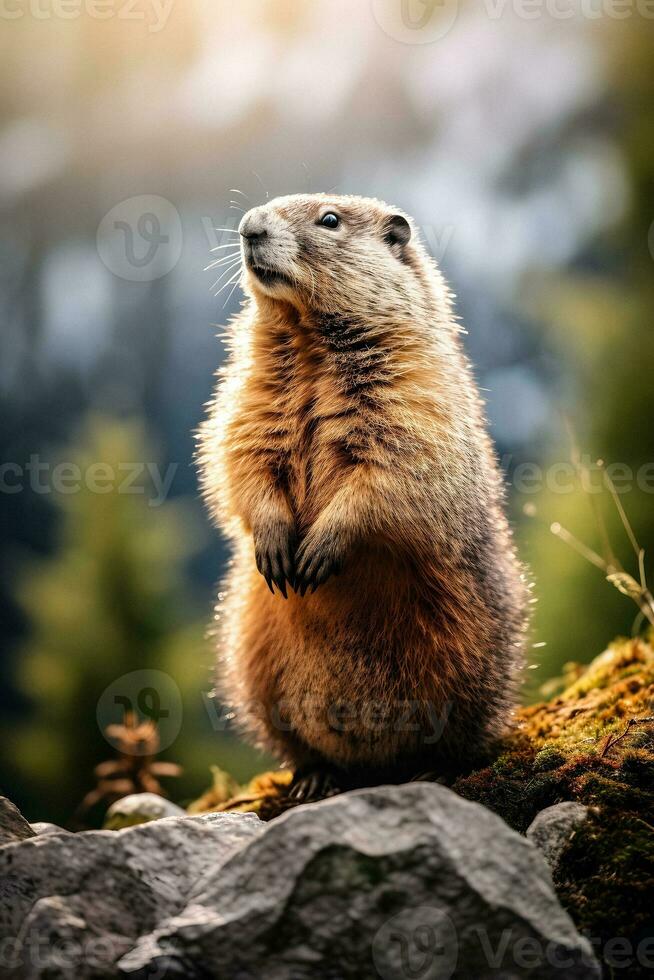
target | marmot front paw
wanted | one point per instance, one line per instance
(319, 556)
(274, 550)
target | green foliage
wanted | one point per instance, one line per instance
(113, 598)
(599, 323)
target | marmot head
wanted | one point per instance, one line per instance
(332, 254)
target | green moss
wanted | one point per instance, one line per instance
(594, 743)
(547, 759)
(606, 879)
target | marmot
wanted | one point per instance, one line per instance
(374, 613)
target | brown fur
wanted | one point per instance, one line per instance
(347, 433)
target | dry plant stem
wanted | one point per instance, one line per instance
(136, 768)
(614, 739)
(613, 570)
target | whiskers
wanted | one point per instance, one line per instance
(313, 284)
(238, 205)
(230, 264)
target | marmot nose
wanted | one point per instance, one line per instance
(253, 226)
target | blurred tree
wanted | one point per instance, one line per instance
(602, 317)
(112, 599)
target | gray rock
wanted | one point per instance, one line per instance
(391, 882)
(13, 825)
(553, 829)
(41, 827)
(72, 904)
(139, 808)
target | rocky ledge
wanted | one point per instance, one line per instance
(577, 776)
(540, 865)
(392, 882)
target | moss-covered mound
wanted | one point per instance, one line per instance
(593, 743)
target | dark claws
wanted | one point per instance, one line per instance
(274, 557)
(287, 563)
(314, 785)
(315, 573)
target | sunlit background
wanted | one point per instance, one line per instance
(523, 145)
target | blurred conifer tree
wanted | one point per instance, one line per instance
(602, 319)
(112, 599)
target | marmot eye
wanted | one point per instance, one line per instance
(330, 220)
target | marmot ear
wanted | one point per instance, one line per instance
(397, 230)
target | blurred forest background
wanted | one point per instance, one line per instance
(524, 148)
